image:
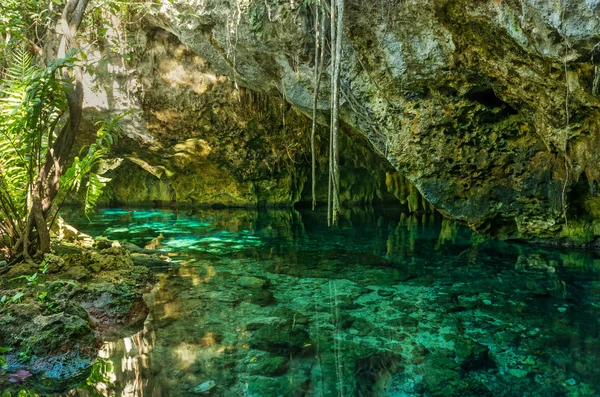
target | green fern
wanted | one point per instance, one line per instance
(81, 175)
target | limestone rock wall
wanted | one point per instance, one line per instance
(193, 138)
(488, 107)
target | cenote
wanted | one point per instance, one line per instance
(299, 198)
(275, 303)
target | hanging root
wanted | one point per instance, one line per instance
(319, 63)
(566, 135)
(596, 86)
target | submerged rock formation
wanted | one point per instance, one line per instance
(488, 108)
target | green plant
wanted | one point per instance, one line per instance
(40, 114)
(257, 13)
(17, 297)
(31, 111)
(80, 176)
(42, 297)
(3, 350)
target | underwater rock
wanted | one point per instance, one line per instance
(472, 356)
(261, 386)
(152, 261)
(440, 373)
(205, 387)
(517, 373)
(276, 339)
(271, 366)
(251, 282)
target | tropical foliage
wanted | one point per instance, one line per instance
(40, 113)
(33, 106)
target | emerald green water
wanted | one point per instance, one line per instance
(386, 304)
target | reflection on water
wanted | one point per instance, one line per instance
(277, 304)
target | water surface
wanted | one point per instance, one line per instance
(277, 304)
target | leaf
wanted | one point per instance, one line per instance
(17, 296)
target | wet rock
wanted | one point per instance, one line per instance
(279, 339)
(151, 261)
(517, 373)
(262, 386)
(102, 243)
(136, 249)
(271, 366)
(113, 309)
(251, 282)
(54, 263)
(29, 329)
(472, 356)
(292, 317)
(373, 370)
(258, 322)
(205, 388)
(385, 292)
(259, 297)
(571, 382)
(78, 273)
(440, 372)
(66, 248)
(363, 326)
(21, 269)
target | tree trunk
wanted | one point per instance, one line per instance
(56, 158)
(47, 182)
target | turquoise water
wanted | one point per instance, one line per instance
(387, 304)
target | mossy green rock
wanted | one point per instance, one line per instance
(45, 332)
(251, 282)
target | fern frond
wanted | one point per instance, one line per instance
(94, 188)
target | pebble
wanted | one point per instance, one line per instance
(571, 382)
(562, 309)
(487, 302)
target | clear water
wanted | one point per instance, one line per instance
(385, 305)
